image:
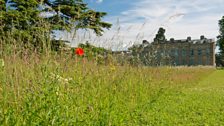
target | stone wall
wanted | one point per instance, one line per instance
(184, 52)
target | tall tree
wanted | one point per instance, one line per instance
(76, 11)
(34, 20)
(2, 5)
(160, 36)
(2, 11)
(67, 15)
(220, 40)
(23, 14)
(220, 43)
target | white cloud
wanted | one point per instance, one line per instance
(180, 19)
(99, 1)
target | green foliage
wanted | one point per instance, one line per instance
(78, 12)
(93, 50)
(25, 16)
(26, 19)
(2, 5)
(70, 14)
(160, 36)
(95, 53)
(58, 90)
(59, 45)
(2, 12)
(220, 40)
(2, 16)
(220, 43)
(135, 52)
(219, 60)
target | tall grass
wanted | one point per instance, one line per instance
(68, 90)
(45, 88)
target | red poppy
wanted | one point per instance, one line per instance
(79, 51)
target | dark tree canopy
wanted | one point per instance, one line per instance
(2, 4)
(220, 41)
(160, 36)
(65, 15)
(31, 22)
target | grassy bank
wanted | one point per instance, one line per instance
(64, 90)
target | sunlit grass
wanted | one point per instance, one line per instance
(66, 90)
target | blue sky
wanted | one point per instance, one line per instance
(135, 20)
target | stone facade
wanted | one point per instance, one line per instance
(185, 52)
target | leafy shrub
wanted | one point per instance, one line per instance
(98, 54)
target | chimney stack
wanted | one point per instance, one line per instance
(202, 37)
(189, 38)
(171, 39)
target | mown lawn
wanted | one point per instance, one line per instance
(67, 91)
(200, 104)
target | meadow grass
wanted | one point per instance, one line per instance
(66, 90)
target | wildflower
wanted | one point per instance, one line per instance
(66, 80)
(57, 91)
(79, 52)
(60, 79)
(2, 63)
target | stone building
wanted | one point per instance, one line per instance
(186, 52)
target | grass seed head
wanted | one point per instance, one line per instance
(2, 63)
